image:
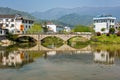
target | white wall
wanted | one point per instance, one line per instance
(52, 27)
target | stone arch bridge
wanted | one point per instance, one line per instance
(64, 37)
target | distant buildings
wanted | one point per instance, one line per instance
(55, 28)
(51, 27)
(67, 29)
(15, 24)
(105, 22)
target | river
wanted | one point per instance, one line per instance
(100, 62)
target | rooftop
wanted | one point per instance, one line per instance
(104, 17)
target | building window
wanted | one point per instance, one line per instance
(12, 25)
(26, 26)
(12, 20)
(29, 27)
(25, 21)
(6, 20)
(7, 25)
(0, 31)
(22, 21)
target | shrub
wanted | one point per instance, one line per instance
(98, 34)
(112, 30)
(108, 34)
(118, 33)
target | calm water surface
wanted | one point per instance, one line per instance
(96, 64)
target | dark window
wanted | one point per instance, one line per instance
(12, 25)
(22, 21)
(26, 26)
(26, 21)
(7, 25)
(6, 20)
(12, 20)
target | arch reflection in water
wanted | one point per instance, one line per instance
(103, 57)
(14, 59)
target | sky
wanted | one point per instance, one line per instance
(44, 5)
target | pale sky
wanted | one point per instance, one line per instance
(43, 5)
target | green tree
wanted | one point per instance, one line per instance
(45, 28)
(36, 28)
(112, 30)
(81, 28)
(103, 29)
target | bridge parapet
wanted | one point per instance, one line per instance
(65, 37)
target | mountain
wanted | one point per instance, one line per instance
(56, 13)
(6, 10)
(51, 14)
(75, 19)
(81, 15)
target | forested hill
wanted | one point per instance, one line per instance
(6, 10)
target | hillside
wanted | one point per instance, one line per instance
(56, 13)
(75, 19)
(80, 15)
(6, 10)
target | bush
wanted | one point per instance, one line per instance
(98, 34)
(108, 34)
(118, 33)
(112, 30)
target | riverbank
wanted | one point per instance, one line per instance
(106, 39)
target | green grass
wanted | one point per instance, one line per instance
(112, 39)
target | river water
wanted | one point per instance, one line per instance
(99, 63)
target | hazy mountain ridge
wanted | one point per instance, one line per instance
(6, 10)
(79, 15)
(75, 19)
(56, 13)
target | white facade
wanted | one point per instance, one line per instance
(103, 57)
(51, 27)
(67, 29)
(15, 24)
(14, 58)
(105, 22)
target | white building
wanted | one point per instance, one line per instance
(15, 24)
(14, 58)
(103, 57)
(51, 27)
(67, 29)
(105, 22)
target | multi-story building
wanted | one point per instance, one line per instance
(105, 22)
(15, 24)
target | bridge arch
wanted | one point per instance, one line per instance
(65, 37)
(35, 37)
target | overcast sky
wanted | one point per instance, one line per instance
(43, 5)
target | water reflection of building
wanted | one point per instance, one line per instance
(103, 57)
(14, 59)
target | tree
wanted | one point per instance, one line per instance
(103, 29)
(81, 28)
(36, 28)
(45, 28)
(112, 30)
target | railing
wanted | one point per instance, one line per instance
(58, 33)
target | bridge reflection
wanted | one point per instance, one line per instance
(64, 47)
(21, 57)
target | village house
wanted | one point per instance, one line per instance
(104, 21)
(15, 24)
(51, 27)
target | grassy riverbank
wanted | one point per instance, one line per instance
(111, 39)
